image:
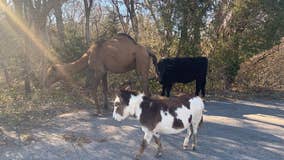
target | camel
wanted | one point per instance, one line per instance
(119, 54)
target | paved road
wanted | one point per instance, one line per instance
(239, 130)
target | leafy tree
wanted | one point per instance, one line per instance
(241, 29)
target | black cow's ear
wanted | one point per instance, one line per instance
(120, 90)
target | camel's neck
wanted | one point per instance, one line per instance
(76, 66)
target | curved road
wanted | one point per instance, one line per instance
(235, 130)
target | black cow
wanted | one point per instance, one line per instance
(182, 70)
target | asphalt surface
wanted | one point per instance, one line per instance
(238, 130)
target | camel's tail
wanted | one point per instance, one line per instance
(154, 59)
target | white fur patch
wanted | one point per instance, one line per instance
(196, 107)
(133, 107)
(166, 124)
(183, 114)
(114, 114)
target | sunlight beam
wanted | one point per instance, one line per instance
(38, 43)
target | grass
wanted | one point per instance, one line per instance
(18, 111)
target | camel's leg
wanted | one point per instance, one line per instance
(97, 78)
(143, 78)
(89, 78)
(142, 68)
(145, 84)
(105, 91)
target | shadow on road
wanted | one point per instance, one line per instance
(231, 130)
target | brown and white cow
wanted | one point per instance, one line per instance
(160, 116)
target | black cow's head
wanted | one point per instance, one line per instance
(162, 65)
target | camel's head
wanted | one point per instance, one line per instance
(52, 76)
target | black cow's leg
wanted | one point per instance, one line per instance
(168, 89)
(197, 87)
(163, 90)
(203, 87)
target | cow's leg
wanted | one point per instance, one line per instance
(195, 130)
(187, 137)
(105, 90)
(146, 140)
(197, 87)
(168, 89)
(163, 90)
(158, 142)
(203, 84)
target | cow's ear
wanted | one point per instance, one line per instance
(120, 90)
(128, 87)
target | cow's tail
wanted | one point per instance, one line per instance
(154, 60)
(201, 121)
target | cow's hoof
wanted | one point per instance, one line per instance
(193, 148)
(185, 147)
(98, 114)
(158, 154)
(137, 157)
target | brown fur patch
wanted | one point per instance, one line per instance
(126, 95)
(179, 100)
(150, 116)
(190, 119)
(177, 123)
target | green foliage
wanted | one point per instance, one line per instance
(74, 46)
(246, 28)
(190, 20)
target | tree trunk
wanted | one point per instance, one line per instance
(88, 6)
(123, 24)
(6, 73)
(19, 8)
(87, 29)
(165, 32)
(182, 47)
(134, 21)
(60, 25)
(7, 77)
(27, 69)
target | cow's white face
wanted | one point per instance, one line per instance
(120, 109)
